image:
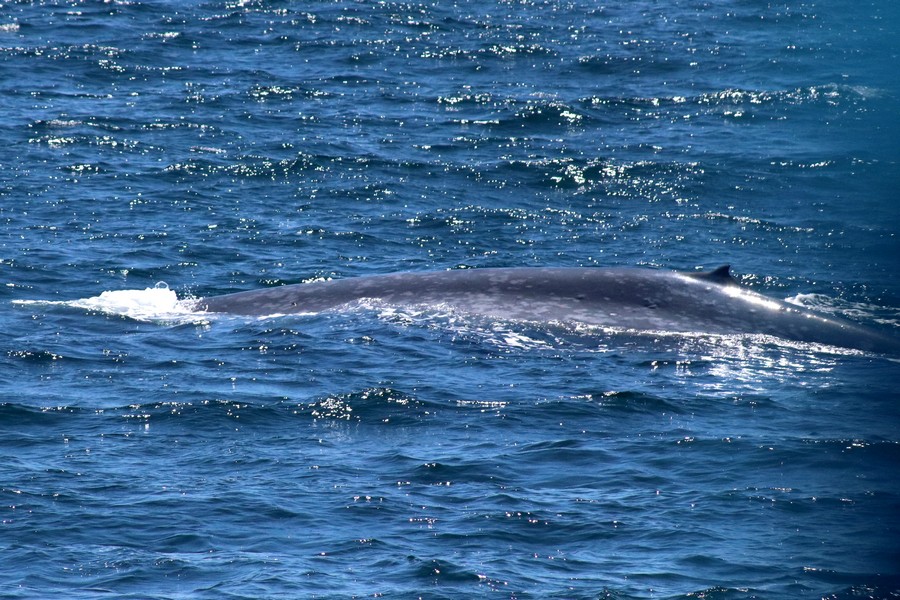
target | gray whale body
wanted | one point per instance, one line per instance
(628, 298)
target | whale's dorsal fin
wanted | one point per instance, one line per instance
(720, 275)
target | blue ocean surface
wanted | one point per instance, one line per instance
(155, 152)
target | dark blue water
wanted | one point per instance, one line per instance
(150, 452)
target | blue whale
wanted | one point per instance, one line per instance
(626, 298)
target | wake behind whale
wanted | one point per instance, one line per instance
(627, 298)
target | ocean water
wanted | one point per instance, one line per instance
(156, 152)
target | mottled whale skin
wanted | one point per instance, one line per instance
(627, 298)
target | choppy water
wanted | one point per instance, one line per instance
(152, 452)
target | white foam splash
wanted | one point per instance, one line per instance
(858, 311)
(158, 303)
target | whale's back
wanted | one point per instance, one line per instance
(625, 298)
